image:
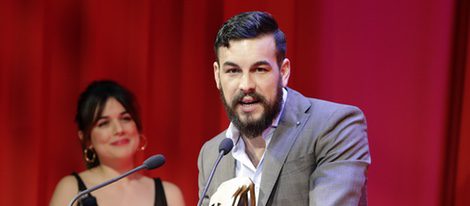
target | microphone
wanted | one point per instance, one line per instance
(224, 147)
(150, 163)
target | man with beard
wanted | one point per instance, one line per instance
(296, 150)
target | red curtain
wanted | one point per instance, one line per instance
(462, 181)
(461, 142)
(391, 58)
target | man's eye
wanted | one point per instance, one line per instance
(231, 71)
(261, 69)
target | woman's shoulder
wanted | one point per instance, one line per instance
(173, 193)
(169, 185)
(68, 182)
(65, 190)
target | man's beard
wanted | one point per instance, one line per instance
(252, 128)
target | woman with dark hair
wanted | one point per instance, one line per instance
(110, 134)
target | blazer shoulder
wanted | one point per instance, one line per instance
(209, 145)
(327, 108)
(308, 104)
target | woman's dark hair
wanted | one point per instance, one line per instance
(91, 104)
(249, 25)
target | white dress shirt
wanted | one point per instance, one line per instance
(244, 167)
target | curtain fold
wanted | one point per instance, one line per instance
(461, 183)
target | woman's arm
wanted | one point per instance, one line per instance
(65, 190)
(174, 196)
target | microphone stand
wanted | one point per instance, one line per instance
(221, 154)
(79, 195)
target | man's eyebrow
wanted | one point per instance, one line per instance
(230, 64)
(261, 63)
(258, 63)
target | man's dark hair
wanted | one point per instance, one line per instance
(250, 25)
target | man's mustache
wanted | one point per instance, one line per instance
(255, 96)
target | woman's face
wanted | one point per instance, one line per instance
(115, 135)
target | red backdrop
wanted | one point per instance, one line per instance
(392, 58)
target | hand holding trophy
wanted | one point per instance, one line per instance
(238, 191)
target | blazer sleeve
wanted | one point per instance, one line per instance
(342, 158)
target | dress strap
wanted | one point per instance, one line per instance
(160, 198)
(88, 200)
(81, 184)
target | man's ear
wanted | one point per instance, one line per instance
(216, 74)
(285, 71)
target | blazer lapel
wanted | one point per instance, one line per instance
(293, 119)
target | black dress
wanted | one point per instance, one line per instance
(90, 200)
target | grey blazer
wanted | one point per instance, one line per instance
(318, 155)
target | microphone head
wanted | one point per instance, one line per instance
(225, 146)
(154, 161)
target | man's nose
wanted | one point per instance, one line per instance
(247, 84)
